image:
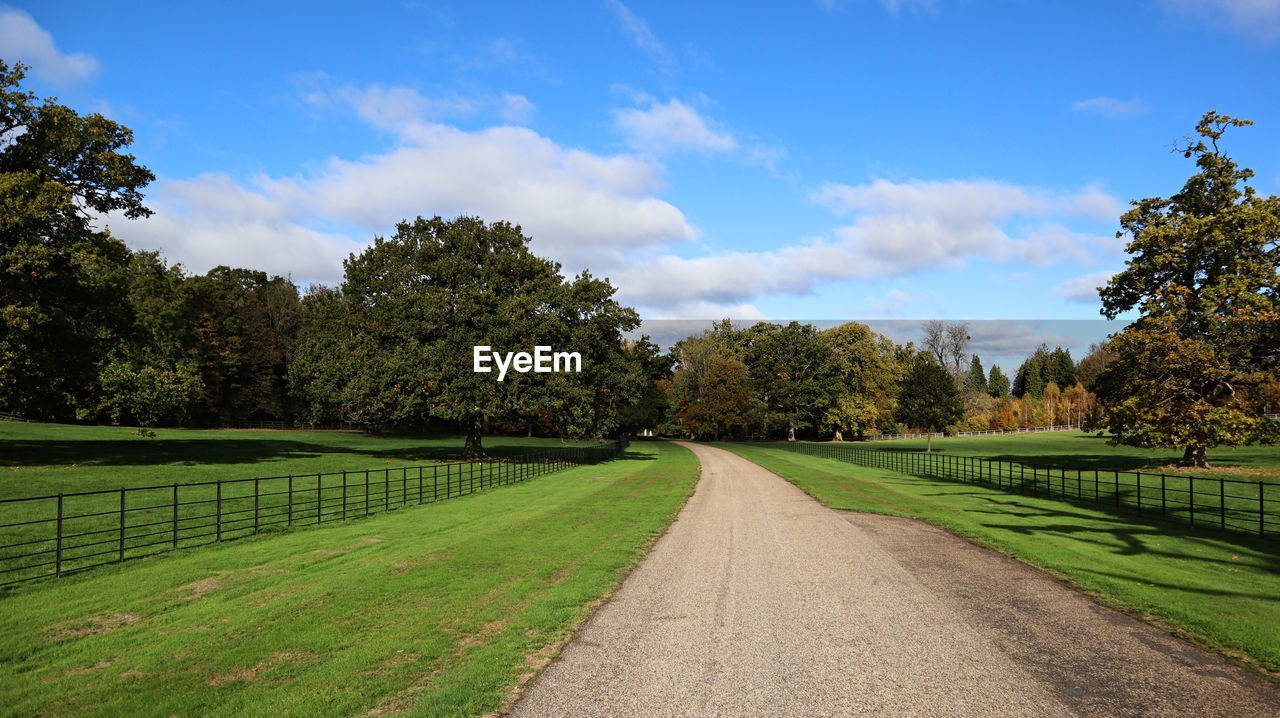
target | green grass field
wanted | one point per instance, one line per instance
(435, 610)
(1220, 591)
(41, 459)
(1080, 450)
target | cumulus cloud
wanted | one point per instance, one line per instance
(1084, 289)
(898, 229)
(663, 127)
(1110, 106)
(577, 206)
(23, 40)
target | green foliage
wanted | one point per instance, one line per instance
(998, 383)
(976, 379)
(929, 399)
(144, 394)
(395, 344)
(61, 282)
(1203, 275)
(793, 372)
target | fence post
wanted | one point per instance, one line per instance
(404, 486)
(1139, 475)
(1222, 503)
(319, 486)
(289, 521)
(1097, 497)
(1164, 512)
(344, 496)
(175, 516)
(366, 493)
(121, 523)
(386, 490)
(1261, 524)
(419, 485)
(256, 493)
(217, 522)
(1191, 498)
(57, 556)
(435, 483)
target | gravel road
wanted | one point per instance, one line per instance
(760, 601)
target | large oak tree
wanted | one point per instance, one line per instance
(1203, 276)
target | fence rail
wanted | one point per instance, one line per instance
(993, 432)
(1228, 505)
(71, 532)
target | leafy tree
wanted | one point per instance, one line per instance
(976, 379)
(654, 371)
(62, 283)
(1030, 379)
(1059, 368)
(998, 384)
(1203, 275)
(793, 372)
(865, 373)
(413, 307)
(929, 398)
(1092, 364)
(723, 402)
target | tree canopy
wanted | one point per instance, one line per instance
(929, 398)
(1202, 274)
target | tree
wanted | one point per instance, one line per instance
(1202, 274)
(949, 343)
(723, 402)
(976, 379)
(1092, 364)
(929, 398)
(792, 371)
(865, 373)
(998, 384)
(413, 307)
(62, 283)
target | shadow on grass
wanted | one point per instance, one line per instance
(216, 450)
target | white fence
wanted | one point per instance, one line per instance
(1027, 430)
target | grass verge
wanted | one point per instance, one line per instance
(438, 610)
(1219, 591)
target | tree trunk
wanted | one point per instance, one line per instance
(485, 430)
(1194, 457)
(474, 449)
(928, 443)
(838, 436)
(791, 433)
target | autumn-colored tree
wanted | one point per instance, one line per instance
(1203, 275)
(723, 401)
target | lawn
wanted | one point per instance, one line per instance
(434, 610)
(42, 459)
(1218, 590)
(1081, 450)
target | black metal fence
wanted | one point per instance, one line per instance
(1235, 505)
(67, 533)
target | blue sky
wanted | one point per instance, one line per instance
(869, 159)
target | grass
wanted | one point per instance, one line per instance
(436, 610)
(42, 459)
(1080, 450)
(1218, 590)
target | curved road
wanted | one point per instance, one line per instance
(760, 601)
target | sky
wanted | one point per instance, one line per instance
(883, 160)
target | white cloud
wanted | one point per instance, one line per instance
(516, 109)
(22, 39)
(671, 126)
(1084, 289)
(577, 206)
(899, 229)
(894, 303)
(642, 36)
(1110, 106)
(1255, 18)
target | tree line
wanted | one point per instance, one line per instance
(93, 331)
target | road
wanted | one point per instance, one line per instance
(760, 601)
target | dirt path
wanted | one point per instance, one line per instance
(760, 601)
